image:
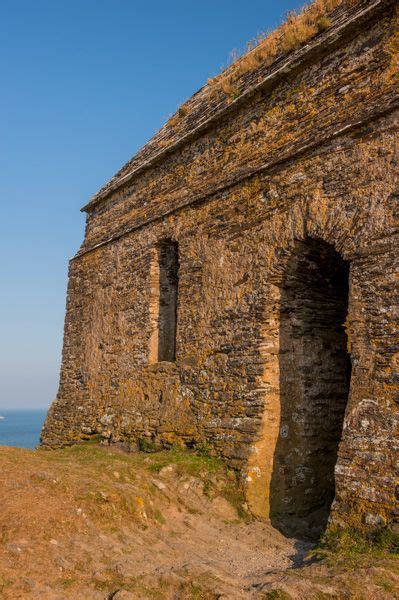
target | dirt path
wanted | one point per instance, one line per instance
(86, 523)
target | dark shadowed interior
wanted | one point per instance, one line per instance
(168, 284)
(314, 386)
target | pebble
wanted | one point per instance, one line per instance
(158, 484)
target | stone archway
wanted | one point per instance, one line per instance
(314, 378)
(307, 370)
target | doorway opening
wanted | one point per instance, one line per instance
(315, 369)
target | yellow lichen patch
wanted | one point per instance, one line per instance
(392, 47)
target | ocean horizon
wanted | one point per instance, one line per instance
(21, 428)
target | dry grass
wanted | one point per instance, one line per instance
(73, 521)
(299, 27)
(84, 522)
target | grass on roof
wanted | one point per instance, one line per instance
(299, 27)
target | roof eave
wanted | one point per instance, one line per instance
(291, 62)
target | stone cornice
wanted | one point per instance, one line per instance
(346, 129)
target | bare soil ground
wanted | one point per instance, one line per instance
(94, 523)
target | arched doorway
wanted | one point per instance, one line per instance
(314, 373)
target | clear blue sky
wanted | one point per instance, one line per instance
(84, 84)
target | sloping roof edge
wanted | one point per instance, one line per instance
(154, 150)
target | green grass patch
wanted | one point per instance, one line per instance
(146, 445)
(235, 496)
(90, 454)
(158, 516)
(5, 583)
(188, 462)
(352, 547)
(354, 541)
(67, 583)
(197, 591)
(386, 585)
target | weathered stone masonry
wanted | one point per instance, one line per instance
(272, 221)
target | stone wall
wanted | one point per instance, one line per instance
(297, 183)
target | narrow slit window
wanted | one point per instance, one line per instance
(163, 307)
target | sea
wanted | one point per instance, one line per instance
(21, 428)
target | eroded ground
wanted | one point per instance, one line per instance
(92, 523)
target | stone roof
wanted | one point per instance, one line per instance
(210, 103)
